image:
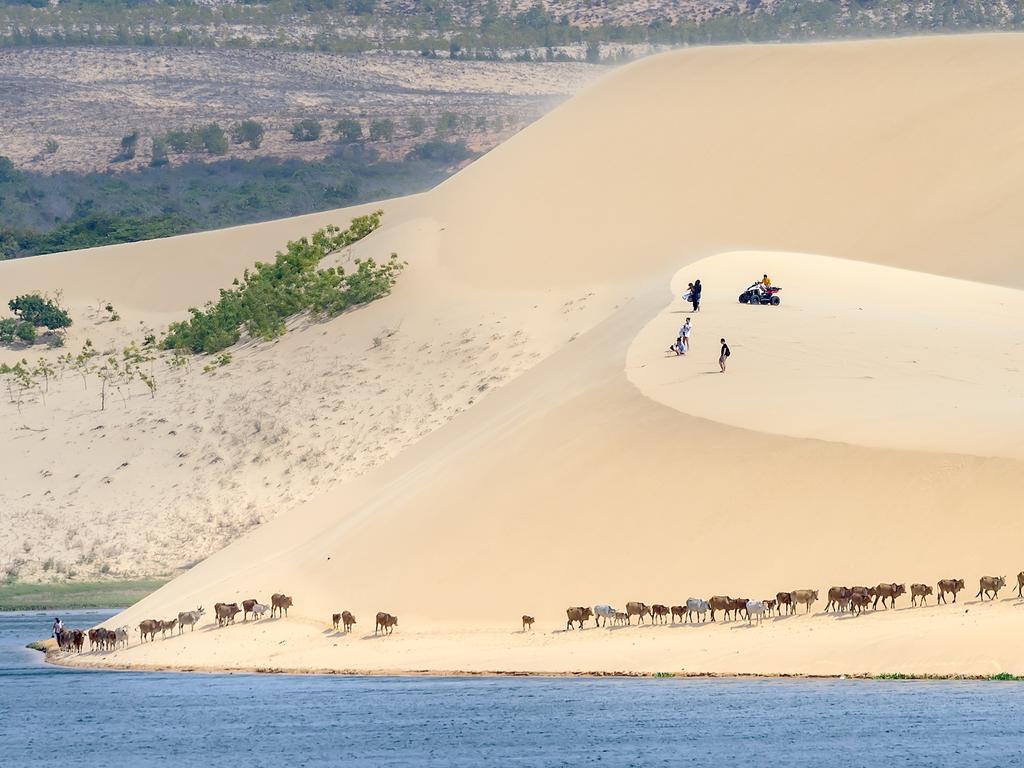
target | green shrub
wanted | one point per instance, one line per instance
(416, 125)
(7, 170)
(266, 296)
(158, 156)
(441, 151)
(382, 130)
(8, 327)
(306, 130)
(26, 332)
(128, 146)
(39, 311)
(50, 147)
(348, 130)
(247, 132)
(215, 141)
(447, 123)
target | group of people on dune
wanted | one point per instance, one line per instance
(682, 342)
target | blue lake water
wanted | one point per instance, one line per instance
(50, 714)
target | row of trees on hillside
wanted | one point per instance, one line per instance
(212, 139)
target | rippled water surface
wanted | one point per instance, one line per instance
(50, 714)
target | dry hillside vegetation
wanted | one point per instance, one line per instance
(87, 99)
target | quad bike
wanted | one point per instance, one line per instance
(759, 294)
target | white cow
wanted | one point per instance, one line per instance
(605, 611)
(260, 610)
(698, 606)
(121, 636)
(755, 608)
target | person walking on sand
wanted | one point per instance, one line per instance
(724, 355)
(695, 295)
(684, 335)
(58, 627)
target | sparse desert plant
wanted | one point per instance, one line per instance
(112, 313)
(50, 147)
(19, 380)
(82, 362)
(44, 370)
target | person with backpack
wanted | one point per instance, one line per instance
(724, 355)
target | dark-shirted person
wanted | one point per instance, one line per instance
(724, 355)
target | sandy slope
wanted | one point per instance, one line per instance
(596, 475)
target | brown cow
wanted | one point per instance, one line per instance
(1020, 584)
(919, 590)
(659, 611)
(990, 584)
(94, 640)
(636, 609)
(385, 622)
(226, 612)
(279, 603)
(621, 617)
(771, 606)
(678, 610)
(247, 606)
(785, 599)
(835, 596)
(335, 620)
(858, 602)
(719, 603)
(527, 622)
(167, 626)
(149, 627)
(577, 613)
(890, 591)
(948, 585)
(347, 620)
(805, 596)
(736, 605)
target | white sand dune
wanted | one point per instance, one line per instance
(867, 429)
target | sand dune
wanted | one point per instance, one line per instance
(866, 431)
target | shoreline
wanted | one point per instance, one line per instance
(57, 659)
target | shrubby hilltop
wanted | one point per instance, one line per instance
(471, 27)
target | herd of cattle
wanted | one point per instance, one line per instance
(73, 640)
(840, 599)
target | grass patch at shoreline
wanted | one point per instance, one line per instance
(91, 594)
(1002, 676)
